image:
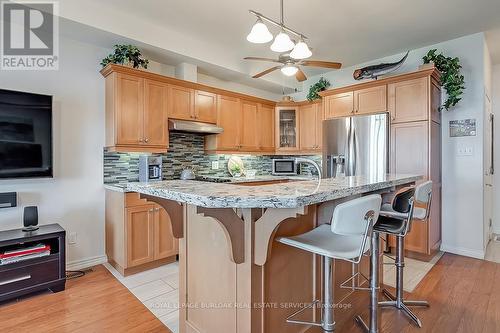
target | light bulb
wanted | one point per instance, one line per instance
(259, 33)
(282, 43)
(301, 51)
(289, 70)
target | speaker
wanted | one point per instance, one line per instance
(30, 218)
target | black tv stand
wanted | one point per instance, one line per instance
(24, 277)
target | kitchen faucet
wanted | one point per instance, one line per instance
(300, 160)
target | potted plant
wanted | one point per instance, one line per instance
(128, 55)
(451, 78)
(321, 85)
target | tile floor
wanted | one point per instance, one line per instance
(414, 272)
(493, 250)
(158, 290)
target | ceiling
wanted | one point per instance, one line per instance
(212, 32)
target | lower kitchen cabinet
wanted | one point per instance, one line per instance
(138, 233)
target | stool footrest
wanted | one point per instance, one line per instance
(353, 286)
(290, 319)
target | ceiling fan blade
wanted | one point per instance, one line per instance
(300, 76)
(267, 71)
(261, 59)
(324, 64)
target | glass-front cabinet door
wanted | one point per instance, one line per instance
(287, 132)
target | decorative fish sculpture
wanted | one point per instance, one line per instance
(374, 71)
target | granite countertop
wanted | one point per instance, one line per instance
(122, 187)
(282, 195)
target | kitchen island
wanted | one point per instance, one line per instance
(233, 276)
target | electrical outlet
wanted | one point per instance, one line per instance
(72, 238)
(215, 165)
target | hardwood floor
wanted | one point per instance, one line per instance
(96, 302)
(463, 293)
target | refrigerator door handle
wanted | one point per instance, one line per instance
(351, 151)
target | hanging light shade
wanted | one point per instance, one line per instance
(282, 43)
(260, 33)
(289, 70)
(301, 50)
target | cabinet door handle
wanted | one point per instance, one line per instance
(146, 140)
(141, 140)
(21, 278)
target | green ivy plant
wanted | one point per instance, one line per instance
(451, 78)
(321, 85)
(124, 54)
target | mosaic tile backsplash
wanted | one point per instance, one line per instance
(186, 151)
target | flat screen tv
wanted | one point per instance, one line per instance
(25, 135)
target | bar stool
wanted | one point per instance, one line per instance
(345, 239)
(396, 220)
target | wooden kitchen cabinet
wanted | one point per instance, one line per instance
(164, 245)
(155, 113)
(181, 103)
(265, 127)
(129, 99)
(370, 100)
(249, 140)
(310, 127)
(287, 129)
(138, 233)
(408, 100)
(205, 107)
(229, 118)
(136, 114)
(339, 105)
(248, 127)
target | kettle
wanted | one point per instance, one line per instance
(188, 174)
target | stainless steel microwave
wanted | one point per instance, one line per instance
(284, 167)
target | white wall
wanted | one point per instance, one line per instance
(462, 196)
(74, 198)
(496, 178)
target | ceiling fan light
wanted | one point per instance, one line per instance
(301, 51)
(289, 70)
(282, 43)
(260, 33)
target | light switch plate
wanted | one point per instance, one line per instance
(465, 151)
(215, 165)
(72, 238)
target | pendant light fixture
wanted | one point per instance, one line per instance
(282, 41)
(301, 50)
(260, 33)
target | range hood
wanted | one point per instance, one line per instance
(193, 127)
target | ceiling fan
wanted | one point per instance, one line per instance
(290, 66)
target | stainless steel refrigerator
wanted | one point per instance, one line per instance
(357, 145)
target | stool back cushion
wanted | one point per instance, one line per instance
(403, 201)
(349, 218)
(423, 191)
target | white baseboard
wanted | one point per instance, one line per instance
(86, 263)
(478, 254)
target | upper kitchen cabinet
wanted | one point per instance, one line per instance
(229, 118)
(370, 100)
(249, 127)
(311, 117)
(408, 100)
(193, 105)
(265, 127)
(287, 129)
(136, 112)
(181, 103)
(205, 107)
(339, 105)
